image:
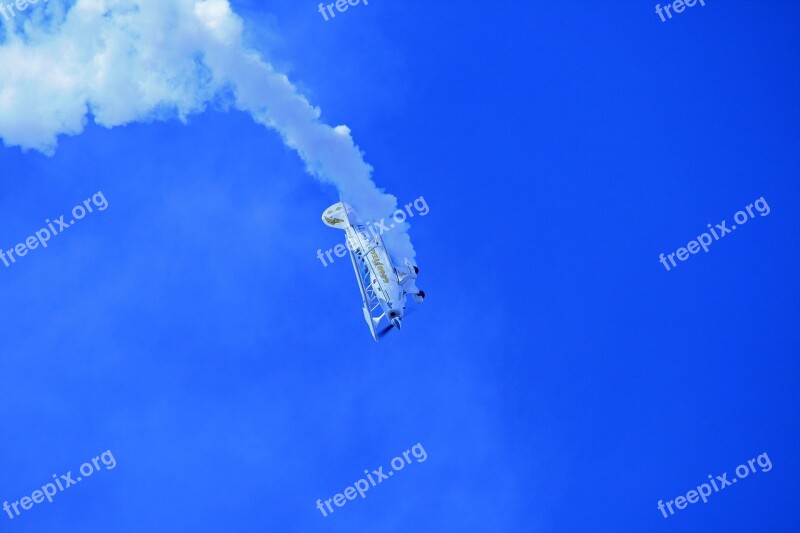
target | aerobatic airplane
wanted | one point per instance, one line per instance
(384, 286)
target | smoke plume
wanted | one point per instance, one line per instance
(121, 61)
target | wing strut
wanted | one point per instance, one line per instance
(370, 302)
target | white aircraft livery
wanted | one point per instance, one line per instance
(384, 286)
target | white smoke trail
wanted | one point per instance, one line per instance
(120, 61)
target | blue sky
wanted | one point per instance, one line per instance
(558, 377)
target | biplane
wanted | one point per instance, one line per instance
(384, 286)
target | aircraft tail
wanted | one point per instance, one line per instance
(337, 215)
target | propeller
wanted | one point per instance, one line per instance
(382, 333)
(386, 329)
